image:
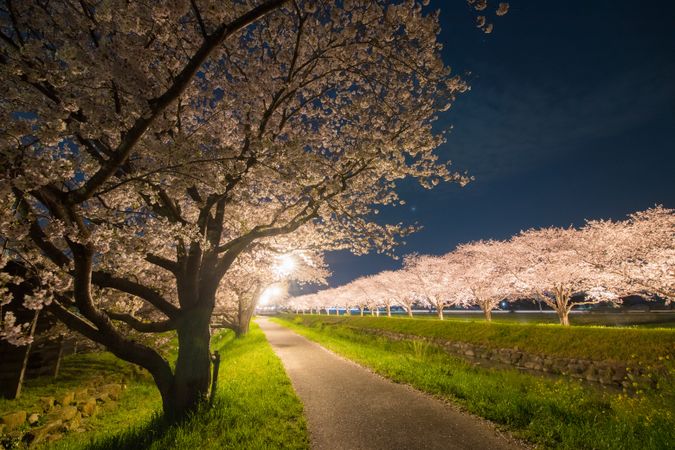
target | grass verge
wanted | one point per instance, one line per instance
(643, 346)
(615, 318)
(255, 407)
(551, 413)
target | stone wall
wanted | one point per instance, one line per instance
(52, 417)
(621, 374)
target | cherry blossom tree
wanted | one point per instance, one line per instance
(396, 285)
(484, 272)
(385, 288)
(639, 250)
(546, 265)
(146, 146)
(366, 294)
(435, 280)
(256, 270)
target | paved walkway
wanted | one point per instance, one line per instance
(350, 408)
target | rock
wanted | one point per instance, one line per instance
(39, 434)
(619, 374)
(591, 374)
(88, 408)
(67, 399)
(516, 357)
(47, 403)
(65, 413)
(469, 352)
(605, 375)
(81, 395)
(112, 390)
(13, 420)
(33, 418)
(54, 437)
(575, 369)
(74, 423)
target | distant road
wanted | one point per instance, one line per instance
(350, 408)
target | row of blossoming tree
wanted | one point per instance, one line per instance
(563, 267)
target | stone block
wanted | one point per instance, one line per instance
(619, 374)
(81, 395)
(113, 390)
(14, 420)
(67, 398)
(74, 423)
(40, 434)
(88, 408)
(46, 403)
(65, 413)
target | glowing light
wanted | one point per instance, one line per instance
(285, 265)
(270, 294)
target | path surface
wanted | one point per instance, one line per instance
(350, 408)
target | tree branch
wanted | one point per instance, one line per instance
(198, 15)
(105, 280)
(164, 263)
(143, 327)
(158, 105)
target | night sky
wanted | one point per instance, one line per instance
(571, 115)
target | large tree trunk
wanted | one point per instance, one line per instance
(562, 306)
(244, 314)
(388, 310)
(410, 313)
(439, 311)
(564, 317)
(487, 310)
(361, 310)
(245, 320)
(192, 375)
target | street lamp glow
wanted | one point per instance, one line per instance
(271, 293)
(285, 265)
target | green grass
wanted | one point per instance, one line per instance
(556, 413)
(643, 346)
(255, 407)
(617, 318)
(77, 372)
(138, 402)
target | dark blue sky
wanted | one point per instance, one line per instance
(571, 116)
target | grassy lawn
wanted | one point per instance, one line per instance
(551, 413)
(642, 346)
(617, 318)
(256, 407)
